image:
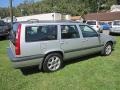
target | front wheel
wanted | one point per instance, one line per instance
(107, 49)
(52, 62)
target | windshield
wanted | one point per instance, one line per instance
(116, 23)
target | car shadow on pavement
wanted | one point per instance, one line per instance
(33, 70)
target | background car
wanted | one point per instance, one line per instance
(4, 28)
(48, 44)
(115, 27)
(105, 26)
(94, 23)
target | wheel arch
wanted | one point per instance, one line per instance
(109, 42)
(103, 51)
(44, 59)
(50, 52)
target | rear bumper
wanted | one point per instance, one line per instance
(20, 62)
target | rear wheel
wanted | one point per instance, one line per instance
(107, 49)
(52, 62)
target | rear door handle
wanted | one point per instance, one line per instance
(85, 40)
(62, 42)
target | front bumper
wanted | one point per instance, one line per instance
(20, 62)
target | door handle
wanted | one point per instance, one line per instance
(85, 40)
(62, 42)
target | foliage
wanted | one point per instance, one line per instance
(73, 7)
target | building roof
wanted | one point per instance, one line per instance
(75, 17)
(104, 16)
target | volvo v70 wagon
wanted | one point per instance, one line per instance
(49, 43)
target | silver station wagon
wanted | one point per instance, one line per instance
(49, 43)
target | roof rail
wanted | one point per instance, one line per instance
(33, 20)
(49, 21)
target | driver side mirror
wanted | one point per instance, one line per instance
(98, 34)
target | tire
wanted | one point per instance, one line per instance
(52, 62)
(107, 49)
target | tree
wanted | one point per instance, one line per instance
(73, 7)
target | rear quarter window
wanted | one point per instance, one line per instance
(40, 33)
(15, 27)
(12, 35)
(91, 22)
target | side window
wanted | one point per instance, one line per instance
(87, 31)
(41, 33)
(69, 32)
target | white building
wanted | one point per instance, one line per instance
(115, 8)
(47, 16)
(8, 19)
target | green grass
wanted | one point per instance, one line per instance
(95, 73)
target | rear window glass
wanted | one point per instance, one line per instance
(12, 35)
(116, 23)
(91, 23)
(101, 23)
(110, 23)
(41, 33)
(15, 27)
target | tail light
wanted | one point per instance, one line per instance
(97, 26)
(17, 43)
